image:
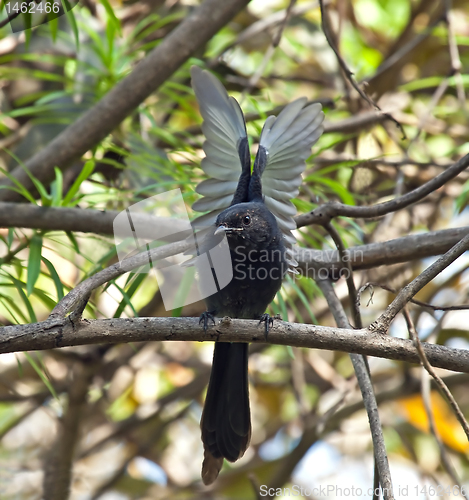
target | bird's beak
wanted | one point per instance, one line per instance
(221, 229)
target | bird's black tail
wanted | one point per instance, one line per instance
(226, 419)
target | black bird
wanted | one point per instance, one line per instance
(257, 220)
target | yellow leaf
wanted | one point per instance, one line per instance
(447, 425)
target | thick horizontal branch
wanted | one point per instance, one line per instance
(405, 249)
(394, 251)
(61, 332)
(31, 216)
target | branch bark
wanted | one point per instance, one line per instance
(326, 212)
(362, 372)
(62, 332)
(394, 251)
(404, 296)
(59, 461)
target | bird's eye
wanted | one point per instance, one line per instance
(246, 220)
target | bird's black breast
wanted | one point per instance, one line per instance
(257, 277)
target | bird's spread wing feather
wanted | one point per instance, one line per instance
(225, 132)
(284, 145)
(286, 142)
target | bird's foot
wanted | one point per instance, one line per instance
(268, 321)
(205, 317)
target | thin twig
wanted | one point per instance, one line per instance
(405, 49)
(349, 276)
(348, 73)
(371, 284)
(269, 52)
(408, 292)
(264, 25)
(442, 387)
(354, 303)
(286, 19)
(321, 215)
(364, 381)
(437, 95)
(454, 54)
(255, 486)
(426, 396)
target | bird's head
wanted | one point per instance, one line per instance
(248, 224)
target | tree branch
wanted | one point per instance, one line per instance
(442, 387)
(416, 246)
(82, 290)
(349, 75)
(80, 220)
(362, 372)
(59, 461)
(61, 332)
(326, 212)
(383, 322)
(361, 257)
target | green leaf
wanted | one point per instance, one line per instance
(53, 24)
(337, 188)
(462, 199)
(11, 236)
(290, 351)
(125, 300)
(27, 31)
(112, 17)
(73, 241)
(41, 375)
(57, 188)
(128, 295)
(283, 306)
(86, 171)
(34, 262)
(302, 297)
(46, 198)
(183, 289)
(55, 277)
(72, 21)
(9, 302)
(19, 287)
(19, 189)
(20, 366)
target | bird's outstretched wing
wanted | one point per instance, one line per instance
(226, 146)
(284, 146)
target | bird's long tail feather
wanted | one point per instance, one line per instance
(226, 419)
